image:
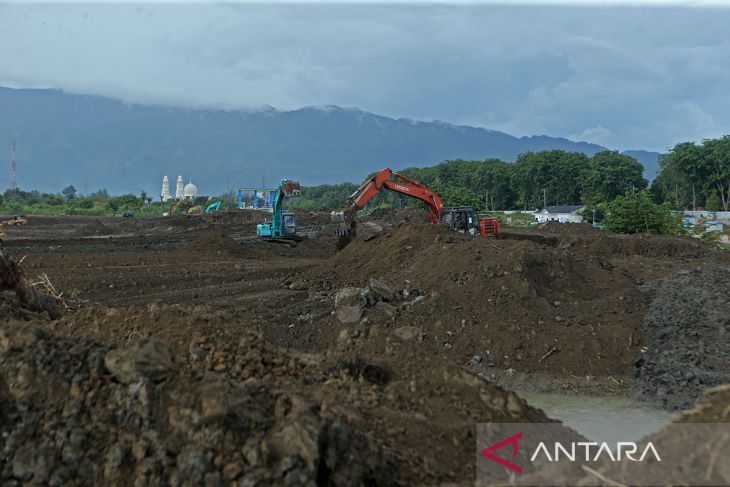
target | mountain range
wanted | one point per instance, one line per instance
(93, 142)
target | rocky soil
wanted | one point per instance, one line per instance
(689, 325)
(192, 353)
(216, 405)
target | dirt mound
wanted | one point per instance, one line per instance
(94, 228)
(648, 246)
(568, 228)
(689, 325)
(217, 405)
(694, 445)
(322, 246)
(409, 214)
(238, 217)
(307, 218)
(213, 240)
(10, 309)
(511, 303)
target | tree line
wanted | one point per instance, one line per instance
(70, 202)
(693, 175)
(536, 179)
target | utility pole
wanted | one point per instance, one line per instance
(544, 198)
(13, 181)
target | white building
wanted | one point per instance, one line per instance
(562, 214)
(190, 191)
(165, 194)
(179, 188)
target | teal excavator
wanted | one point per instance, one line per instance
(213, 207)
(283, 225)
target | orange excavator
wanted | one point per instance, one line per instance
(461, 218)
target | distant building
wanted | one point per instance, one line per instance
(190, 191)
(179, 188)
(697, 217)
(182, 190)
(165, 194)
(562, 214)
(255, 198)
(714, 226)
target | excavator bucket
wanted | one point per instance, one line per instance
(339, 223)
(292, 189)
(343, 227)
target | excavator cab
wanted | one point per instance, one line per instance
(290, 224)
(463, 219)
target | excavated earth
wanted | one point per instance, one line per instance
(191, 353)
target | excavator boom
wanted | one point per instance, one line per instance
(463, 219)
(344, 219)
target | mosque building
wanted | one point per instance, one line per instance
(182, 190)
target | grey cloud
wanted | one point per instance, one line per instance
(627, 77)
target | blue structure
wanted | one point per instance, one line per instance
(714, 226)
(256, 198)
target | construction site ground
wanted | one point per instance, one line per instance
(435, 330)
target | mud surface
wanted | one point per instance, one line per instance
(193, 350)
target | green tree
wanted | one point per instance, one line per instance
(124, 202)
(85, 203)
(714, 203)
(102, 194)
(54, 200)
(69, 192)
(716, 167)
(687, 159)
(609, 175)
(637, 213)
(671, 184)
(548, 177)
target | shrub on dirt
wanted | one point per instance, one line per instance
(637, 213)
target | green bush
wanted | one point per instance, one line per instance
(637, 213)
(54, 200)
(125, 202)
(85, 203)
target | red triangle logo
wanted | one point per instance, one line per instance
(512, 440)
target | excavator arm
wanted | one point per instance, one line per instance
(402, 184)
(344, 219)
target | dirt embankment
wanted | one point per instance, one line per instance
(570, 305)
(689, 326)
(210, 404)
(510, 303)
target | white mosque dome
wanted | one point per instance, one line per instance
(190, 190)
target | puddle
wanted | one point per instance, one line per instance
(609, 419)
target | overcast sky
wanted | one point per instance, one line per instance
(625, 77)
